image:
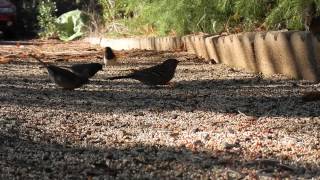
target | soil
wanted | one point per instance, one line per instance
(212, 122)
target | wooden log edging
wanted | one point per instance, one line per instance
(295, 54)
(145, 43)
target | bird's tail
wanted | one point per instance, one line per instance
(43, 63)
(38, 59)
(120, 77)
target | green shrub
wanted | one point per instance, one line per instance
(47, 19)
(173, 17)
(210, 16)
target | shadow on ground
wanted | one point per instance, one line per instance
(41, 160)
(253, 97)
(34, 151)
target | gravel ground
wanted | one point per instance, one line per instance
(215, 122)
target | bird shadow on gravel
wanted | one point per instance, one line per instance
(43, 159)
(252, 96)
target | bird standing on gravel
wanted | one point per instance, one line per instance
(109, 57)
(63, 77)
(86, 70)
(159, 74)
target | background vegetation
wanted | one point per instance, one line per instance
(209, 16)
(179, 17)
(46, 18)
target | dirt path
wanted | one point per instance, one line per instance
(216, 123)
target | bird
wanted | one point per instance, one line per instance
(159, 74)
(309, 14)
(109, 57)
(87, 70)
(63, 77)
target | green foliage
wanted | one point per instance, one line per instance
(249, 13)
(47, 19)
(286, 14)
(179, 17)
(107, 10)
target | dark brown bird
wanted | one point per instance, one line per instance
(63, 77)
(160, 74)
(308, 15)
(86, 70)
(109, 57)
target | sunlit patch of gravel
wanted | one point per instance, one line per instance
(214, 122)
